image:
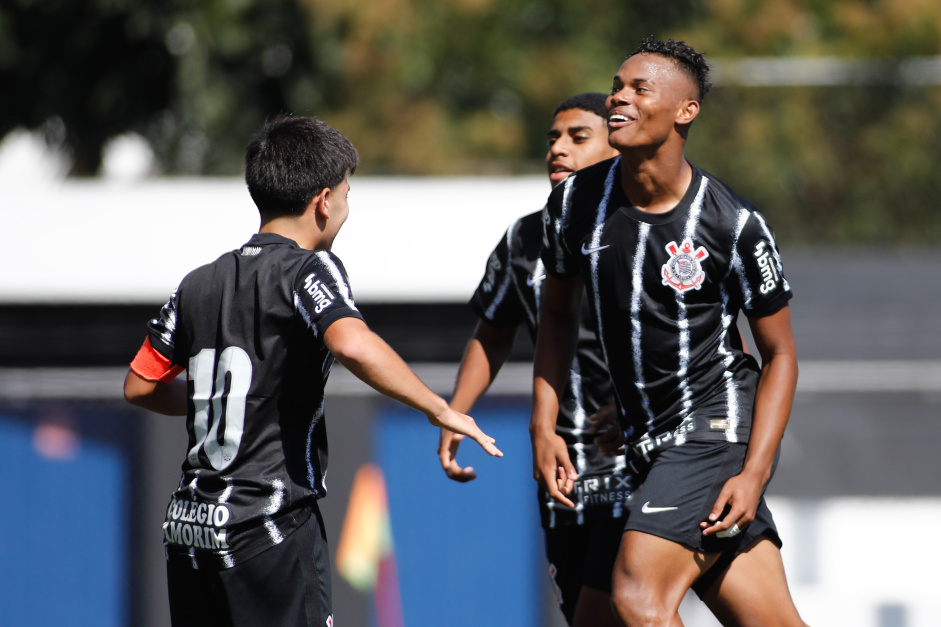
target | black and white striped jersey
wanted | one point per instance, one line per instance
(249, 328)
(509, 295)
(665, 291)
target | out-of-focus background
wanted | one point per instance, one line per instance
(122, 126)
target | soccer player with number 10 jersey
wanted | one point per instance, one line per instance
(257, 332)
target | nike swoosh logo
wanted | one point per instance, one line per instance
(646, 509)
(532, 280)
(588, 251)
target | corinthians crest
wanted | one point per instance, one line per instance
(683, 270)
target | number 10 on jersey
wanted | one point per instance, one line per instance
(215, 402)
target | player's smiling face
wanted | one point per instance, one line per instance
(577, 139)
(650, 95)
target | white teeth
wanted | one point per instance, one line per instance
(617, 118)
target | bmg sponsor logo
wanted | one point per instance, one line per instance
(319, 292)
(769, 273)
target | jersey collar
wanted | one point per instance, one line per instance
(679, 211)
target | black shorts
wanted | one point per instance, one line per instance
(678, 492)
(287, 585)
(582, 555)
(761, 527)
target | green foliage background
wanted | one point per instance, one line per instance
(467, 87)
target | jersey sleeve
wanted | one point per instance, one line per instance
(495, 300)
(156, 360)
(322, 292)
(150, 365)
(162, 330)
(556, 254)
(757, 269)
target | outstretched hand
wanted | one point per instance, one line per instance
(447, 452)
(738, 500)
(464, 425)
(553, 468)
(607, 429)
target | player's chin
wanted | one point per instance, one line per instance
(558, 177)
(624, 137)
(619, 143)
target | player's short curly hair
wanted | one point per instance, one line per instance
(685, 57)
(592, 102)
(291, 159)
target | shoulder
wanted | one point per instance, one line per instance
(208, 274)
(520, 236)
(595, 173)
(528, 227)
(578, 196)
(586, 182)
(322, 267)
(723, 197)
(595, 180)
(731, 211)
(325, 260)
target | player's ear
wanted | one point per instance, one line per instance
(687, 112)
(320, 204)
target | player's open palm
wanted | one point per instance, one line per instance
(463, 424)
(447, 453)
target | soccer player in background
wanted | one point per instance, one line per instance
(582, 534)
(670, 256)
(257, 332)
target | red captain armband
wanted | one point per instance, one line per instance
(150, 365)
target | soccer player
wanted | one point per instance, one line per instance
(582, 534)
(670, 256)
(257, 332)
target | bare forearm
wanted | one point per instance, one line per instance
(555, 350)
(168, 399)
(473, 378)
(374, 362)
(773, 403)
(774, 340)
(486, 353)
(368, 357)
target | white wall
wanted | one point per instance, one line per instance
(407, 239)
(128, 237)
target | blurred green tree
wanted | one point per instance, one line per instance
(467, 86)
(851, 162)
(83, 71)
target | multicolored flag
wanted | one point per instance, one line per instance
(365, 555)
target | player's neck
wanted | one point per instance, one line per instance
(655, 184)
(297, 229)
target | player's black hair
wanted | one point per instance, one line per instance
(685, 57)
(291, 159)
(592, 102)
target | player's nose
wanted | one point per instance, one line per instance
(559, 148)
